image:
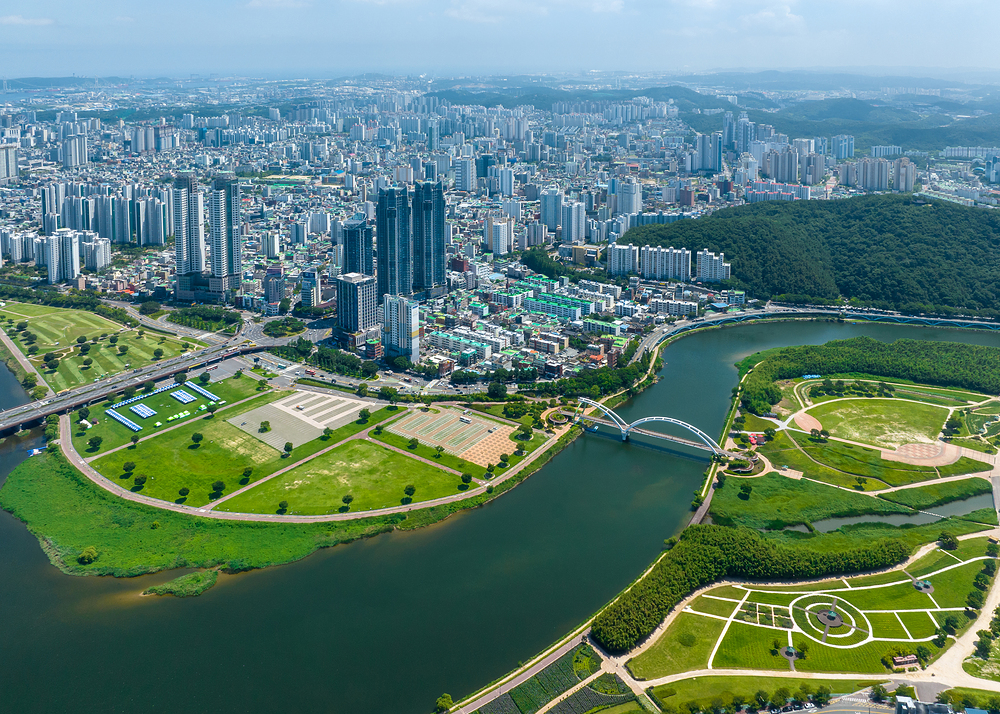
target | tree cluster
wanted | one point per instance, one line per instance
(706, 553)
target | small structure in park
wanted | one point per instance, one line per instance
(923, 586)
(904, 660)
(829, 618)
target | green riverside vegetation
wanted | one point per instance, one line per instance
(189, 585)
(822, 250)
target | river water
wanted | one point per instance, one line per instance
(386, 624)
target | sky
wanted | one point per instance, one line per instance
(330, 38)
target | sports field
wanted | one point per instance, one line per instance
(873, 614)
(374, 475)
(881, 422)
(57, 330)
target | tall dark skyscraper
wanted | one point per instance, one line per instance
(428, 236)
(358, 247)
(394, 241)
(224, 211)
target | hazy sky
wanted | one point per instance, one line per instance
(332, 37)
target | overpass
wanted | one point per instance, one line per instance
(706, 443)
(96, 391)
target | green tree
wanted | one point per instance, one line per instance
(438, 450)
(247, 473)
(95, 442)
(948, 541)
(362, 390)
(283, 506)
(526, 431)
(148, 386)
(180, 377)
(184, 492)
(364, 415)
(497, 391)
(410, 490)
(347, 499)
(87, 362)
(128, 467)
(212, 408)
(443, 703)
(140, 480)
(466, 478)
(134, 439)
(288, 448)
(87, 556)
(265, 426)
(413, 443)
(327, 433)
(204, 378)
(129, 392)
(368, 369)
(149, 307)
(113, 339)
(197, 437)
(157, 353)
(218, 486)
(83, 413)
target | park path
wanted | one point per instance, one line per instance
(24, 362)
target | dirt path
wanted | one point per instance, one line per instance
(24, 361)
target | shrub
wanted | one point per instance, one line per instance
(87, 556)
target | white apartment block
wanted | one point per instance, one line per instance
(712, 267)
(622, 259)
(659, 263)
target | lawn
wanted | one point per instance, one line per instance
(57, 330)
(892, 597)
(703, 690)
(866, 658)
(881, 422)
(777, 501)
(859, 461)
(712, 606)
(685, 645)
(894, 576)
(850, 536)
(918, 624)
(172, 461)
(374, 475)
(750, 647)
(115, 434)
(952, 587)
(936, 494)
(885, 624)
(783, 452)
(771, 598)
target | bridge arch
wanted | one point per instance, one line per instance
(627, 428)
(705, 438)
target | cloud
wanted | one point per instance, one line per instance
(491, 11)
(21, 20)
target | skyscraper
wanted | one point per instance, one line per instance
(189, 225)
(629, 196)
(358, 246)
(465, 175)
(551, 208)
(394, 242)
(225, 219)
(356, 302)
(574, 223)
(62, 256)
(401, 328)
(310, 287)
(428, 236)
(8, 163)
(842, 146)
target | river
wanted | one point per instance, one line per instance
(386, 624)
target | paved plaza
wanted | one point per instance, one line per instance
(300, 417)
(480, 441)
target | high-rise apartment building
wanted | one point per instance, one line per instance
(628, 194)
(189, 225)
(659, 263)
(401, 328)
(394, 242)
(623, 259)
(8, 163)
(311, 287)
(465, 175)
(712, 267)
(873, 174)
(574, 223)
(842, 146)
(358, 246)
(225, 220)
(356, 302)
(904, 175)
(74, 151)
(96, 252)
(62, 256)
(812, 168)
(551, 208)
(429, 236)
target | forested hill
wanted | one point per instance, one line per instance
(885, 251)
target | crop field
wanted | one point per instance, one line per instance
(881, 422)
(877, 611)
(57, 330)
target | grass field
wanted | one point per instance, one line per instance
(881, 422)
(115, 434)
(684, 646)
(952, 587)
(893, 597)
(172, 461)
(850, 536)
(749, 647)
(373, 474)
(712, 606)
(783, 452)
(57, 330)
(863, 658)
(918, 624)
(777, 501)
(885, 624)
(859, 461)
(703, 690)
(936, 494)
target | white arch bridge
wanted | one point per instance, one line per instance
(706, 442)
